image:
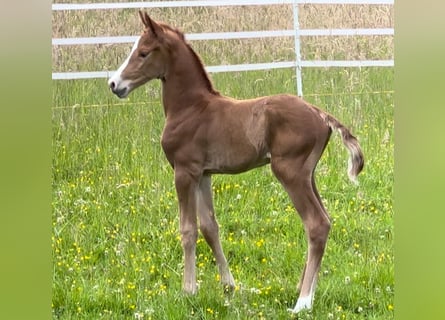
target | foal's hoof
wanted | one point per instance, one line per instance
(190, 293)
(229, 289)
(297, 310)
(190, 289)
(302, 304)
(228, 283)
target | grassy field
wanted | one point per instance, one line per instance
(116, 247)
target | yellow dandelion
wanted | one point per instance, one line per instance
(260, 243)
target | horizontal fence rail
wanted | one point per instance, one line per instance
(218, 3)
(244, 67)
(231, 35)
(296, 33)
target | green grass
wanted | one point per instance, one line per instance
(116, 247)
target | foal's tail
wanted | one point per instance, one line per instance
(356, 159)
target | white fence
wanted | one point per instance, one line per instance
(297, 33)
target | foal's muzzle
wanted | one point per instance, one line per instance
(120, 92)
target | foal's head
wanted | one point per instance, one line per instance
(147, 60)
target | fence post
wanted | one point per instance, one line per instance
(297, 49)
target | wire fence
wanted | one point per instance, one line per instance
(141, 103)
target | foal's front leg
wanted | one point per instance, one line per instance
(187, 188)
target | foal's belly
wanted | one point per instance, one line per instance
(235, 162)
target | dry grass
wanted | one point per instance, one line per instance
(224, 19)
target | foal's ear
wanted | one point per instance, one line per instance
(149, 23)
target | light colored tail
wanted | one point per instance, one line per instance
(356, 158)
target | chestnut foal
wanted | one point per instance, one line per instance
(207, 133)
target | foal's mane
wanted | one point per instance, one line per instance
(195, 57)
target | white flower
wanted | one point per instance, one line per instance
(255, 290)
(139, 315)
(149, 311)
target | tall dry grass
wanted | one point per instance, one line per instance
(224, 19)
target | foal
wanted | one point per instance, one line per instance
(207, 133)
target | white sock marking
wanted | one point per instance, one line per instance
(302, 304)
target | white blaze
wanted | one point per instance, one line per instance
(116, 78)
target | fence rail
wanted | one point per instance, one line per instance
(296, 33)
(231, 35)
(211, 3)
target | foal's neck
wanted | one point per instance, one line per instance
(186, 82)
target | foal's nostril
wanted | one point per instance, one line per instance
(112, 85)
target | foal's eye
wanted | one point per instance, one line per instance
(144, 54)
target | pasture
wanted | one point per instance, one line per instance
(116, 246)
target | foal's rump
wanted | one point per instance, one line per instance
(296, 127)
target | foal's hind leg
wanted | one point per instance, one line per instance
(314, 188)
(296, 177)
(210, 230)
